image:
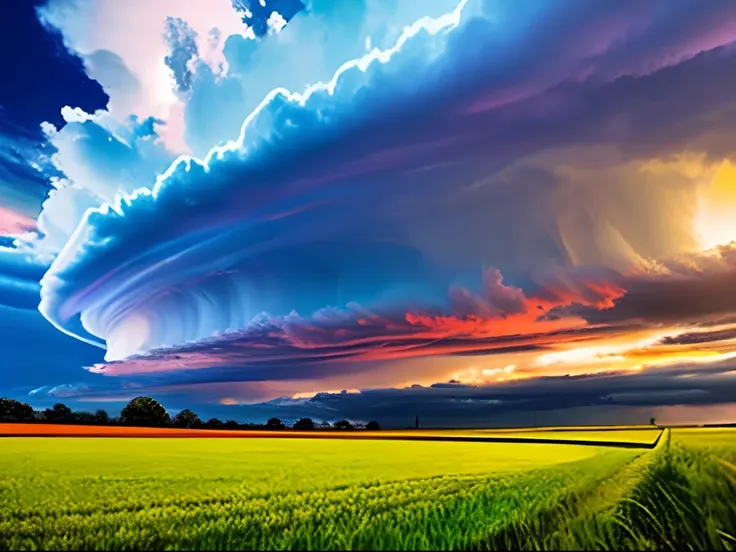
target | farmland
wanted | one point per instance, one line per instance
(266, 493)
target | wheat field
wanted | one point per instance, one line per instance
(288, 493)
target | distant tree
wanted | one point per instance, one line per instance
(213, 423)
(186, 419)
(372, 426)
(652, 421)
(304, 424)
(15, 411)
(274, 423)
(325, 425)
(102, 417)
(82, 418)
(59, 414)
(39, 416)
(343, 424)
(231, 424)
(144, 412)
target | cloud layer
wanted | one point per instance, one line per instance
(369, 185)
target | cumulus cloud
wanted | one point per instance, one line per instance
(256, 13)
(132, 69)
(182, 41)
(97, 158)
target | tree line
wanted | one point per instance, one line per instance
(147, 412)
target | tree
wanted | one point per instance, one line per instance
(231, 424)
(274, 423)
(186, 419)
(343, 424)
(102, 417)
(304, 424)
(652, 421)
(15, 411)
(325, 425)
(213, 423)
(144, 411)
(372, 426)
(82, 418)
(59, 414)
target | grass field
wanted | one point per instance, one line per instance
(265, 493)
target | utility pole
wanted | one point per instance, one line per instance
(416, 421)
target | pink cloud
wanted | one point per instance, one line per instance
(502, 317)
(14, 223)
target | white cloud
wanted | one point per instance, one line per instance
(133, 32)
(276, 22)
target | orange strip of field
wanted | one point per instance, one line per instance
(59, 430)
(53, 430)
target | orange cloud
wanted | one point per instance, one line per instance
(502, 319)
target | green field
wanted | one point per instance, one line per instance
(125, 493)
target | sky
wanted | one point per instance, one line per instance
(483, 212)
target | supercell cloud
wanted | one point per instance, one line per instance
(482, 179)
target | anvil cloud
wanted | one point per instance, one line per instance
(493, 181)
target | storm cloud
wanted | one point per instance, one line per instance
(493, 180)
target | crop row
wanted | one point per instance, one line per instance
(679, 497)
